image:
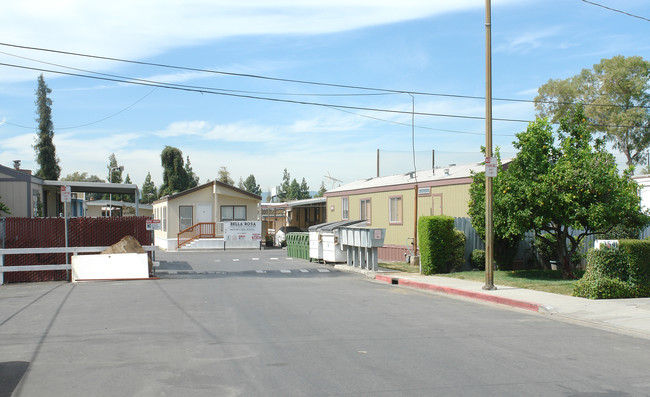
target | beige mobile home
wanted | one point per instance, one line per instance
(395, 202)
(201, 211)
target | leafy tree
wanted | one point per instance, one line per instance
(44, 143)
(148, 190)
(322, 190)
(507, 234)
(294, 190)
(4, 208)
(553, 187)
(250, 185)
(175, 178)
(224, 176)
(84, 177)
(616, 93)
(191, 176)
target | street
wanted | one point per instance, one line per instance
(256, 323)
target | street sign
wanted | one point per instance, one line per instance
(66, 194)
(153, 224)
(491, 167)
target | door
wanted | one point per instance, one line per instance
(203, 213)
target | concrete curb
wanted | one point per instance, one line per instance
(536, 307)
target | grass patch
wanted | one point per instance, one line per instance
(539, 280)
(400, 267)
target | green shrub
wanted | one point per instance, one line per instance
(606, 276)
(458, 259)
(593, 287)
(638, 271)
(478, 259)
(436, 242)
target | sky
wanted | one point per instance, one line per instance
(314, 87)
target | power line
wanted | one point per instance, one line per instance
(615, 10)
(207, 90)
(307, 82)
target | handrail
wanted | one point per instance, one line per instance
(196, 231)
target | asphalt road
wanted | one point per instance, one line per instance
(254, 323)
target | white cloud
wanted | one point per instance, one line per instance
(137, 29)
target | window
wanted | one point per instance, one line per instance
(395, 210)
(185, 217)
(365, 210)
(345, 210)
(233, 213)
(164, 219)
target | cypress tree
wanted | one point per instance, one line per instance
(44, 145)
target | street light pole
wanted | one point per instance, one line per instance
(489, 232)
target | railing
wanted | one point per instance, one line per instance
(49, 250)
(197, 231)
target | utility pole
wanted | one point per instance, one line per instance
(489, 232)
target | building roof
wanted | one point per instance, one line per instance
(315, 201)
(454, 174)
(115, 203)
(205, 185)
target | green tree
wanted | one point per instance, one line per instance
(224, 176)
(192, 178)
(283, 189)
(44, 143)
(175, 178)
(149, 194)
(304, 190)
(322, 190)
(294, 190)
(507, 234)
(84, 177)
(114, 176)
(251, 186)
(4, 208)
(616, 94)
(128, 197)
(553, 187)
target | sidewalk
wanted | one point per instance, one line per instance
(628, 316)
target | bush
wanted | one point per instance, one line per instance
(478, 259)
(638, 271)
(593, 287)
(606, 276)
(438, 243)
(458, 258)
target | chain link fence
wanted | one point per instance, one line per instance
(50, 232)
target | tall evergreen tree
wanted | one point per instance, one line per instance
(148, 190)
(128, 197)
(304, 190)
(283, 189)
(322, 190)
(250, 185)
(114, 176)
(192, 178)
(44, 143)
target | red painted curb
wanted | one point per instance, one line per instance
(455, 291)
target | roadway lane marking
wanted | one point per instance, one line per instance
(273, 259)
(285, 271)
(304, 270)
(235, 260)
(256, 259)
(217, 260)
(323, 270)
(260, 271)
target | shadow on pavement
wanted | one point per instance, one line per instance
(11, 372)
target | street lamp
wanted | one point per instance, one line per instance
(110, 194)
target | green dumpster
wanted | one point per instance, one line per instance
(298, 245)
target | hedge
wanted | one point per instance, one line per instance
(441, 247)
(617, 273)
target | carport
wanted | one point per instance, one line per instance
(52, 190)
